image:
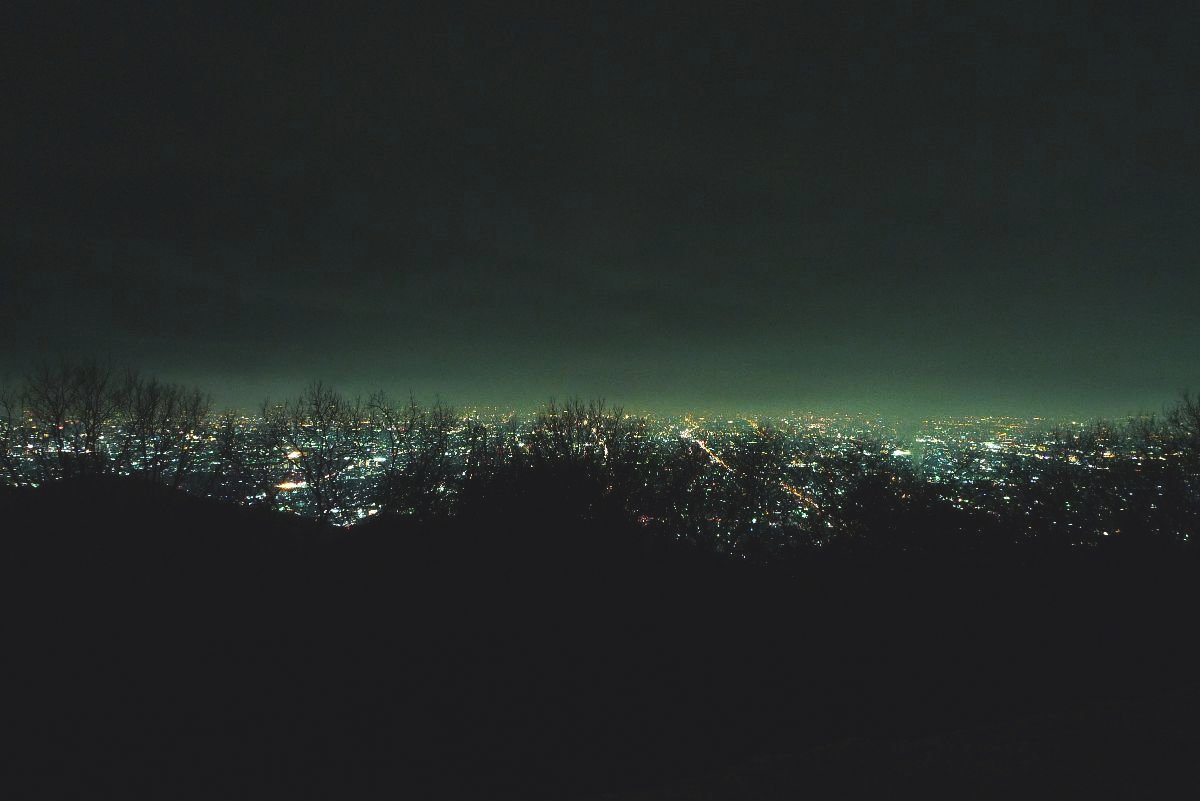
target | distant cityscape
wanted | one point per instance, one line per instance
(736, 482)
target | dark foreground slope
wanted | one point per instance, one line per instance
(166, 646)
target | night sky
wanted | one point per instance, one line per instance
(941, 208)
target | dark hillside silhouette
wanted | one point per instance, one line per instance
(172, 646)
(584, 603)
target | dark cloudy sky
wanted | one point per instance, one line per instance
(937, 207)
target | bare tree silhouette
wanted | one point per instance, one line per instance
(162, 428)
(590, 453)
(420, 474)
(1183, 426)
(492, 464)
(319, 437)
(69, 405)
(12, 434)
(243, 461)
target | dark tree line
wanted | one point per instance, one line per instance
(75, 419)
(1139, 480)
(766, 494)
(420, 475)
